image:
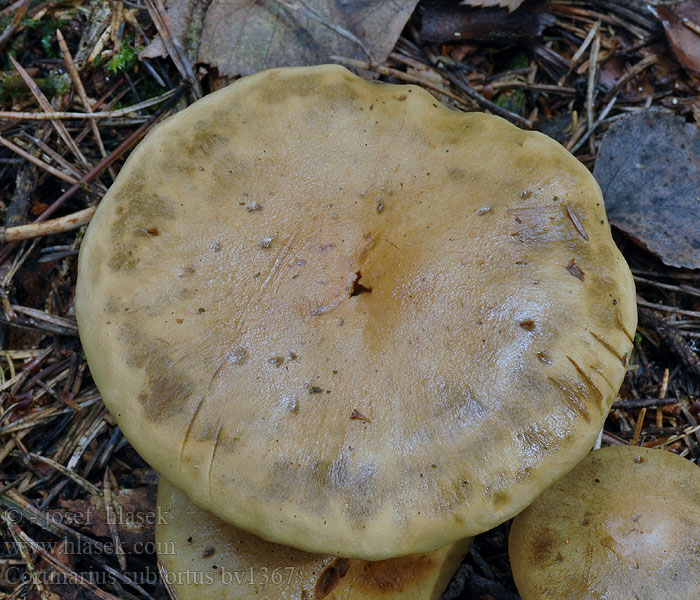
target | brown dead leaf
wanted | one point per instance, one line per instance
(610, 72)
(241, 37)
(180, 13)
(511, 5)
(695, 109)
(681, 22)
(65, 554)
(67, 592)
(135, 515)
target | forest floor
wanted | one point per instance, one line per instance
(571, 69)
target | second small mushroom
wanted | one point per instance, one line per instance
(624, 524)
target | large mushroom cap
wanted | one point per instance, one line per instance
(206, 559)
(623, 524)
(348, 319)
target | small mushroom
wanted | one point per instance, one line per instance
(482, 363)
(623, 524)
(206, 559)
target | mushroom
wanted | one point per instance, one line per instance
(624, 523)
(207, 559)
(373, 324)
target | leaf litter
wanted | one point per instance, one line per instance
(593, 64)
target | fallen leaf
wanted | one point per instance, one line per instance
(610, 71)
(66, 554)
(511, 5)
(695, 109)
(648, 167)
(63, 553)
(681, 22)
(135, 515)
(444, 21)
(57, 592)
(241, 37)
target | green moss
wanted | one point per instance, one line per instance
(125, 58)
(512, 100)
(519, 60)
(39, 34)
(12, 87)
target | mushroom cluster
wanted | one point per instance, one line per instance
(344, 318)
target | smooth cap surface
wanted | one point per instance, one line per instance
(206, 559)
(348, 319)
(624, 524)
